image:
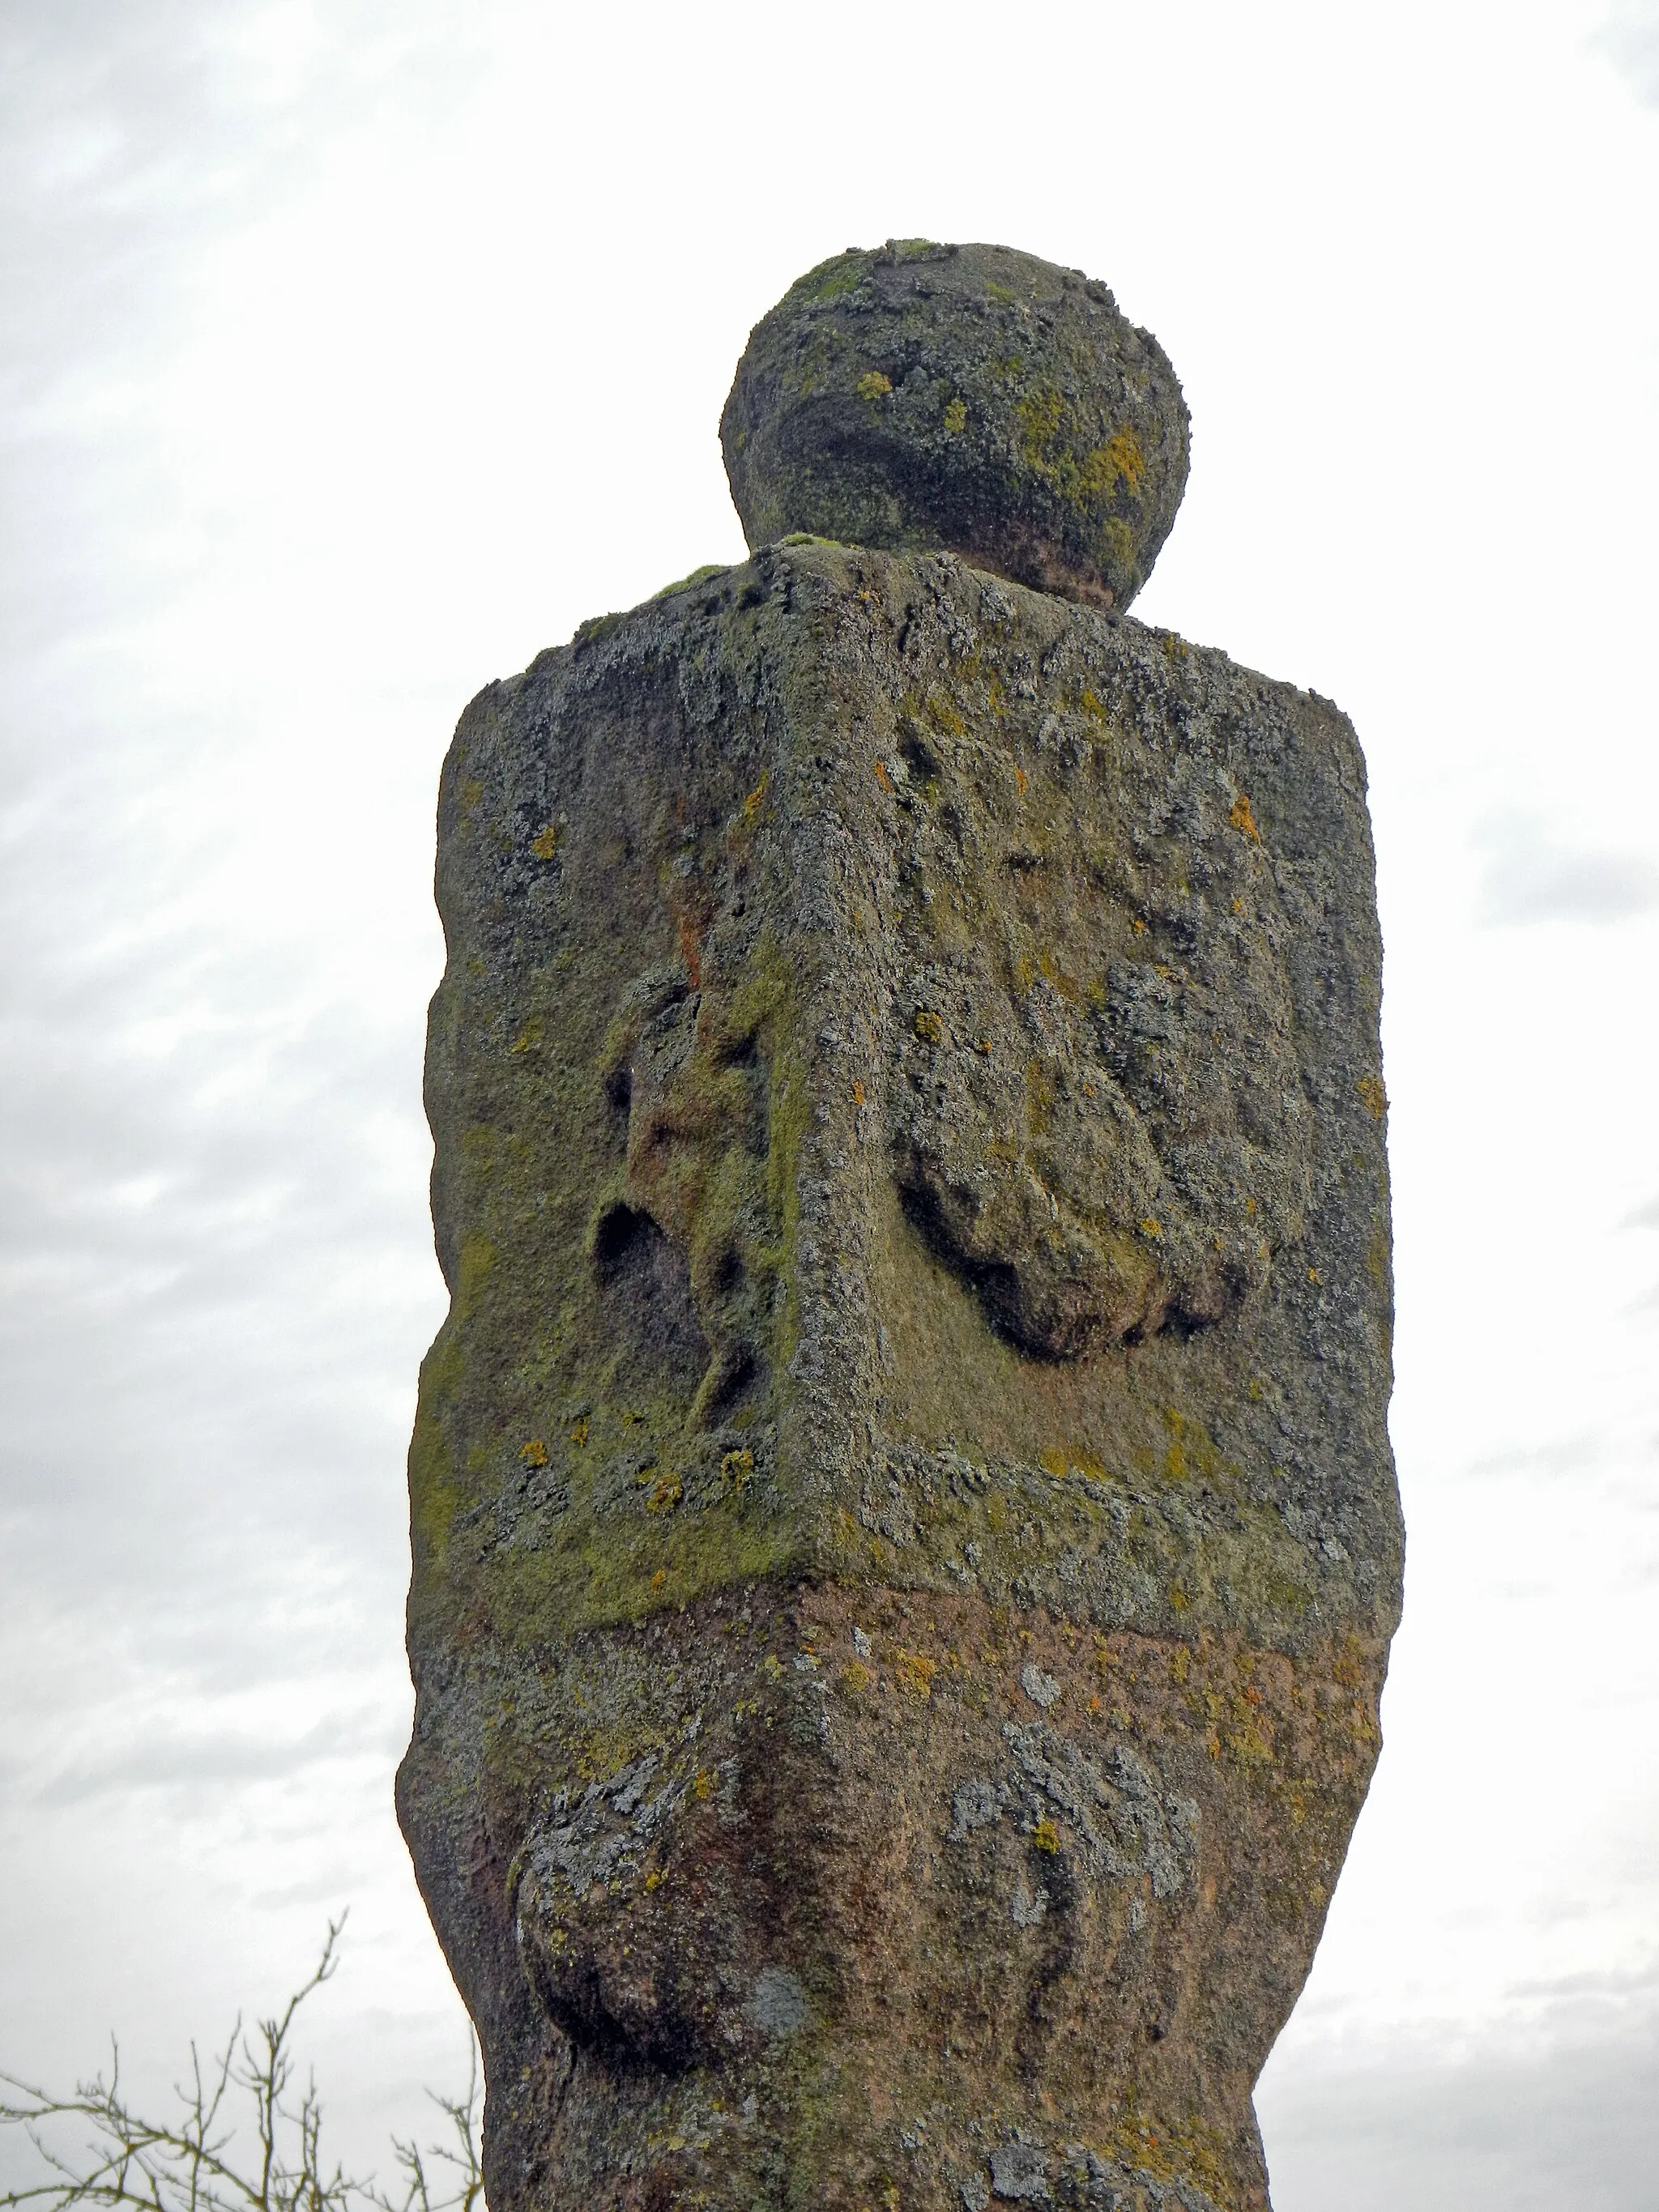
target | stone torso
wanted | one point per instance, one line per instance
(905, 1536)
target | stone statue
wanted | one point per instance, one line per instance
(905, 1536)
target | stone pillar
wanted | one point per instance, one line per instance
(905, 1537)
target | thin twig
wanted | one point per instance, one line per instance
(132, 2164)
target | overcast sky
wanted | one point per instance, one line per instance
(351, 352)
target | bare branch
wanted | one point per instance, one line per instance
(132, 2164)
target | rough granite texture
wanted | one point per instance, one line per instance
(967, 397)
(905, 1537)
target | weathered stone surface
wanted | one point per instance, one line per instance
(905, 1536)
(967, 397)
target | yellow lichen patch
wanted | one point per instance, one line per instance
(858, 1093)
(856, 1676)
(545, 842)
(1151, 1228)
(956, 416)
(1118, 541)
(665, 1493)
(1243, 819)
(1372, 1096)
(874, 385)
(1179, 1598)
(928, 1026)
(534, 1454)
(579, 1432)
(735, 1467)
(1174, 1456)
(1123, 452)
(945, 718)
(1349, 1666)
(704, 1786)
(1046, 1836)
(654, 1880)
(1362, 1725)
(1040, 415)
(1248, 1745)
(915, 1672)
(1120, 460)
(1051, 972)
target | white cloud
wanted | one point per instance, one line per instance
(1630, 37)
(1443, 2129)
(1530, 876)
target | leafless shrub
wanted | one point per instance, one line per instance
(245, 2138)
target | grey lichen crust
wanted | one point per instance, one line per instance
(905, 1534)
(963, 397)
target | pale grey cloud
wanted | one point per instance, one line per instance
(216, 1278)
(1630, 38)
(1573, 2125)
(1531, 876)
(166, 1760)
(1561, 1458)
(1619, 1469)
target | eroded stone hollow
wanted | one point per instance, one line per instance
(905, 1537)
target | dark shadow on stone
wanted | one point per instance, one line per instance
(646, 1284)
(994, 1283)
(650, 2033)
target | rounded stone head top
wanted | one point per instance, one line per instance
(967, 398)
